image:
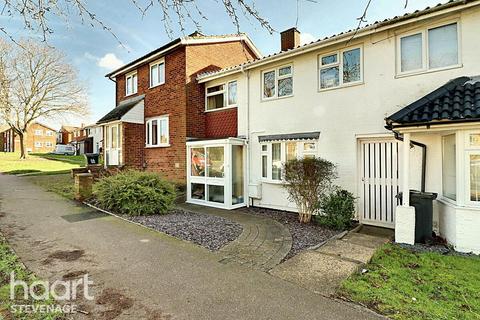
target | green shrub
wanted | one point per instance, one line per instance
(135, 193)
(337, 210)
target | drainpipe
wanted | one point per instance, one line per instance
(247, 128)
(399, 137)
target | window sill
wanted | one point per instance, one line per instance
(423, 71)
(277, 98)
(453, 204)
(131, 94)
(343, 86)
(166, 145)
(221, 109)
(268, 181)
(157, 85)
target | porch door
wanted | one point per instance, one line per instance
(379, 181)
(113, 145)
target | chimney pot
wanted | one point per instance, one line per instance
(290, 39)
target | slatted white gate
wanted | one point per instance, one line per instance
(379, 181)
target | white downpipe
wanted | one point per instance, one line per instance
(406, 170)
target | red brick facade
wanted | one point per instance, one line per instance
(183, 100)
(36, 139)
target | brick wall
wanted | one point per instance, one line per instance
(221, 124)
(133, 137)
(30, 139)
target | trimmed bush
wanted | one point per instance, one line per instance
(135, 193)
(338, 209)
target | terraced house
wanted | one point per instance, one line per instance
(160, 105)
(396, 105)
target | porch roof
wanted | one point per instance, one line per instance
(122, 109)
(456, 101)
(290, 136)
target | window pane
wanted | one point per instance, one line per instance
(475, 140)
(161, 73)
(164, 131)
(276, 161)
(215, 89)
(154, 132)
(329, 78)
(232, 92)
(291, 150)
(449, 177)
(215, 163)
(198, 162)
(351, 65)
(237, 174)
(309, 146)
(475, 177)
(411, 52)
(264, 147)
(285, 71)
(154, 75)
(147, 135)
(285, 87)
(269, 84)
(215, 101)
(129, 85)
(264, 166)
(329, 59)
(198, 191)
(216, 194)
(114, 136)
(134, 80)
(443, 46)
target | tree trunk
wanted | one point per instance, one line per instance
(22, 146)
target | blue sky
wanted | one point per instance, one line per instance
(95, 52)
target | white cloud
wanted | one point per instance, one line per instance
(306, 37)
(110, 62)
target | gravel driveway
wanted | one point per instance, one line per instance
(206, 230)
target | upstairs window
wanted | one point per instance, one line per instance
(49, 133)
(157, 73)
(221, 96)
(156, 134)
(277, 83)
(340, 68)
(131, 83)
(432, 48)
(38, 132)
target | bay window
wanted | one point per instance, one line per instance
(473, 167)
(131, 83)
(427, 49)
(340, 68)
(277, 83)
(156, 134)
(221, 96)
(157, 73)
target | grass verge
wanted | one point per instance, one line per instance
(9, 262)
(11, 163)
(401, 284)
(61, 184)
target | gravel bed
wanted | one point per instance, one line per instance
(436, 248)
(303, 235)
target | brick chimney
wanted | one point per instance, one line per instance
(290, 39)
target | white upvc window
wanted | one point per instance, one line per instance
(38, 132)
(278, 82)
(274, 154)
(48, 144)
(157, 73)
(429, 49)
(157, 132)
(131, 85)
(49, 133)
(449, 167)
(472, 158)
(38, 144)
(221, 96)
(340, 68)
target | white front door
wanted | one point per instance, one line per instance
(113, 144)
(379, 181)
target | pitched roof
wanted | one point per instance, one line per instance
(340, 36)
(119, 111)
(457, 100)
(194, 38)
(68, 128)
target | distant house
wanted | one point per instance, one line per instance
(39, 138)
(94, 138)
(65, 134)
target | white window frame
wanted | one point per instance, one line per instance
(225, 96)
(49, 133)
(277, 78)
(38, 132)
(157, 64)
(148, 132)
(469, 150)
(339, 64)
(283, 156)
(425, 51)
(48, 144)
(134, 76)
(38, 144)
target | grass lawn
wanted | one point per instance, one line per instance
(80, 160)
(61, 184)
(10, 163)
(401, 284)
(9, 262)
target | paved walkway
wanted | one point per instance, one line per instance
(322, 270)
(143, 274)
(262, 245)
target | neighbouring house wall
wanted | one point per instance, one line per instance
(12, 141)
(341, 114)
(221, 123)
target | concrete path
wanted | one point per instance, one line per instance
(143, 274)
(322, 270)
(262, 245)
